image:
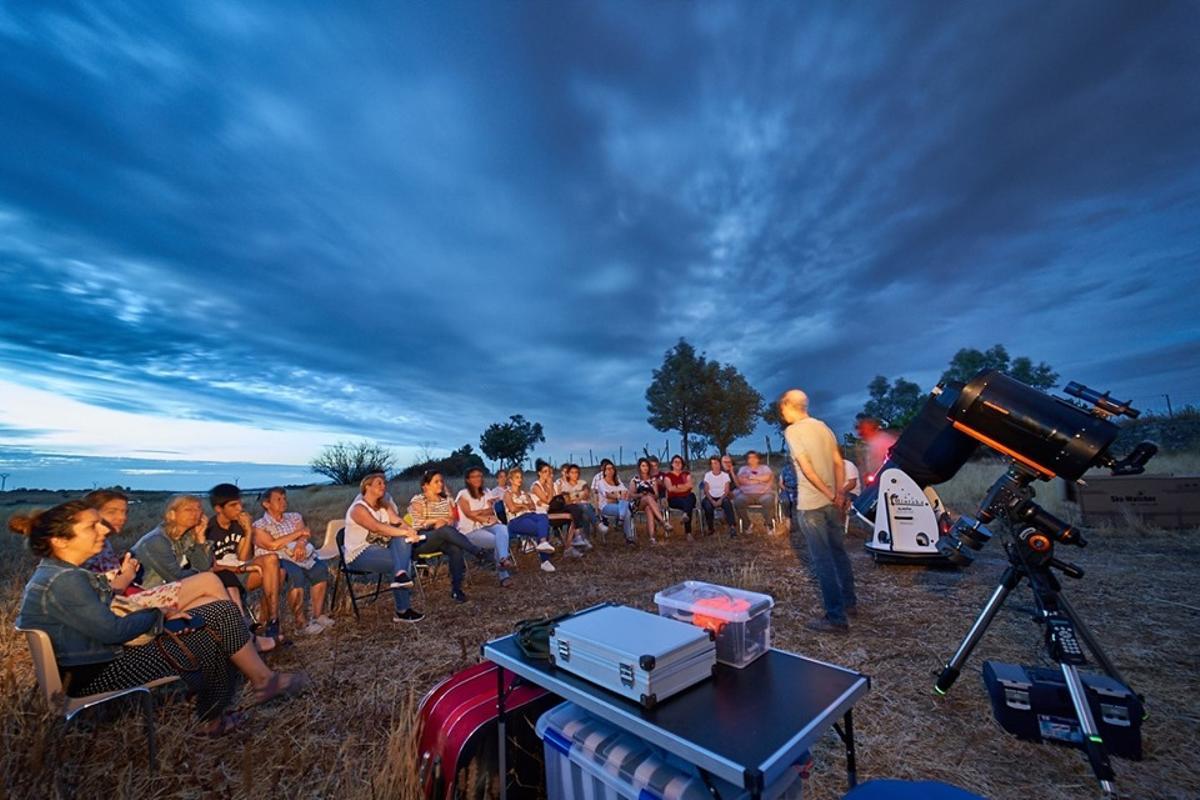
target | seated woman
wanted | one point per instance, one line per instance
(644, 488)
(496, 493)
(432, 515)
(681, 493)
(524, 519)
(544, 498)
(579, 505)
(612, 497)
(718, 491)
(477, 521)
(377, 540)
(177, 547)
(71, 605)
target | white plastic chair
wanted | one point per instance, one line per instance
(328, 551)
(45, 667)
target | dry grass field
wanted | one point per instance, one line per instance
(353, 736)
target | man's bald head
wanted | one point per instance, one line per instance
(793, 405)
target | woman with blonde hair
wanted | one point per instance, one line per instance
(378, 540)
(523, 518)
(177, 547)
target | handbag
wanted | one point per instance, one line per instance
(533, 635)
(558, 504)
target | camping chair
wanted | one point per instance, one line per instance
(349, 573)
(667, 511)
(773, 517)
(45, 667)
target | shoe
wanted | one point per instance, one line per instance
(527, 546)
(312, 629)
(506, 583)
(325, 621)
(458, 596)
(401, 581)
(603, 528)
(548, 567)
(690, 538)
(271, 630)
(581, 541)
(572, 552)
(653, 540)
(507, 563)
(544, 547)
(826, 625)
(408, 616)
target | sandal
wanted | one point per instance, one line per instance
(506, 583)
(282, 684)
(264, 644)
(227, 723)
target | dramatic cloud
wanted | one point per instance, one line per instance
(407, 223)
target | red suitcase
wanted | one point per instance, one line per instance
(458, 725)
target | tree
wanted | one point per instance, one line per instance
(674, 394)
(509, 442)
(968, 362)
(729, 406)
(772, 417)
(457, 463)
(348, 463)
(894, 404)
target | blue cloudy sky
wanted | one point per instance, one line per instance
(234, 232)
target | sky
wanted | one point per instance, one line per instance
(233, 233)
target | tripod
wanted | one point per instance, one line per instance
(1031, 557)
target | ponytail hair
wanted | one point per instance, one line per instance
(53, 523)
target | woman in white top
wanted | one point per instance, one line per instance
(717, 492)
(496, 493)
(524, 519)
(613, 498)
(377, 540)
(478, 522)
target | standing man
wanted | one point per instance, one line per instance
(876, 444)
(820, 481)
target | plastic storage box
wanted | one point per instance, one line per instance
(740, 620)
(590, 759)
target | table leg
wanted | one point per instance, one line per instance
(502, 745)
(848, 739)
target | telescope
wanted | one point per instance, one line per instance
(1044, 437)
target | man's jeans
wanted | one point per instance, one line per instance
(396, 557)
(493, 537)
(620, 510)
(830, 565)
(743, 502)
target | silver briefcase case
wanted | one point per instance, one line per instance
(639, 655)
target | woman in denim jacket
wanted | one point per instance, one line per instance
(71, 605)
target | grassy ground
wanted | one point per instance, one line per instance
(353, 736)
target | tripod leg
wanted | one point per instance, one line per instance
(1093, 745)
(953, 667)
(1090, 640)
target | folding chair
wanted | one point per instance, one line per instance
(667, 510)
(349, 573)
(773, 517)
(45, 667)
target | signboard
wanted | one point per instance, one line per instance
(1164, 501)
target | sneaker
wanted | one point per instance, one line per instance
(826, 625)
(653, 540)
(409, 616)
(548, 567)
(325, 621)
(602, 527)
(571, 552)
(544, 547)
(401, 581)
(458, 596)
(581, 541)
(312, 629)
